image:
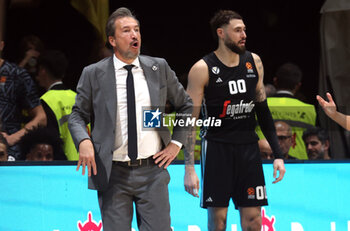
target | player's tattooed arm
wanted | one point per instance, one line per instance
(259, 65)
(260, 94)
(260, 88)
(198, 77)
(189, 149)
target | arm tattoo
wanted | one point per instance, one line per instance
(260, 66)
(260, 94)
(189, 149)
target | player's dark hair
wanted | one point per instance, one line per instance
(55, 62)
(288, 76)
(222, 18)
(321, 134)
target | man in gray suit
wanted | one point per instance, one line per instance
(126, 163)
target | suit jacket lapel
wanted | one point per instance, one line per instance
(152, 75)
(106, 79)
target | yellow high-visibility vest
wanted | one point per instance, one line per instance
(298, 115)
(61, 103)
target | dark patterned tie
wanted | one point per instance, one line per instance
(132, 132)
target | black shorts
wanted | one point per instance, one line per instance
(232, 171)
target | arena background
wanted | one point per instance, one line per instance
(311, 34)
(278, 31)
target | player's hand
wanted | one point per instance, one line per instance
(167, 155)
(191, 181)
(87, 157)
(329, 107)
(278, 165)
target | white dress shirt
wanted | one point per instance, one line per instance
(148, 142)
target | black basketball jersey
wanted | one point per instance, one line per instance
(230, 97)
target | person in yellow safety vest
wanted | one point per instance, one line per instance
(58, 100)
(284, 106)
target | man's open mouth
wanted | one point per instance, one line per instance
(135, 44)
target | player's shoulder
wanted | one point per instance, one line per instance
(199, 73)
(258, 63)
(255, 56)
(200, 66)
(250, 56)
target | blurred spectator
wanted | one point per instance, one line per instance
(30, 48)
(3, 148)
(285, 139)
(58, 100)
(41, 144)
(287, 80)
(17, 92)
(317, 143)
(270, 90)
(265, 150)
(285, 107)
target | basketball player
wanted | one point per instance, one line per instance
(228, 84)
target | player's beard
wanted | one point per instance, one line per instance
(234, 47)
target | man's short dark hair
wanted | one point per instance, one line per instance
(55, 62)
(40, 135)
(288, 76)
(221, 18)
(110, 25)
(321, 134)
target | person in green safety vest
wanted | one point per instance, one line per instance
(58, 100)
(284, 106)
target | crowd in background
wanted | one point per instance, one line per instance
(35, 105)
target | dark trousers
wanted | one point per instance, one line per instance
(144, 186)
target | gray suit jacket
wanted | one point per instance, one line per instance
(96, 103)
